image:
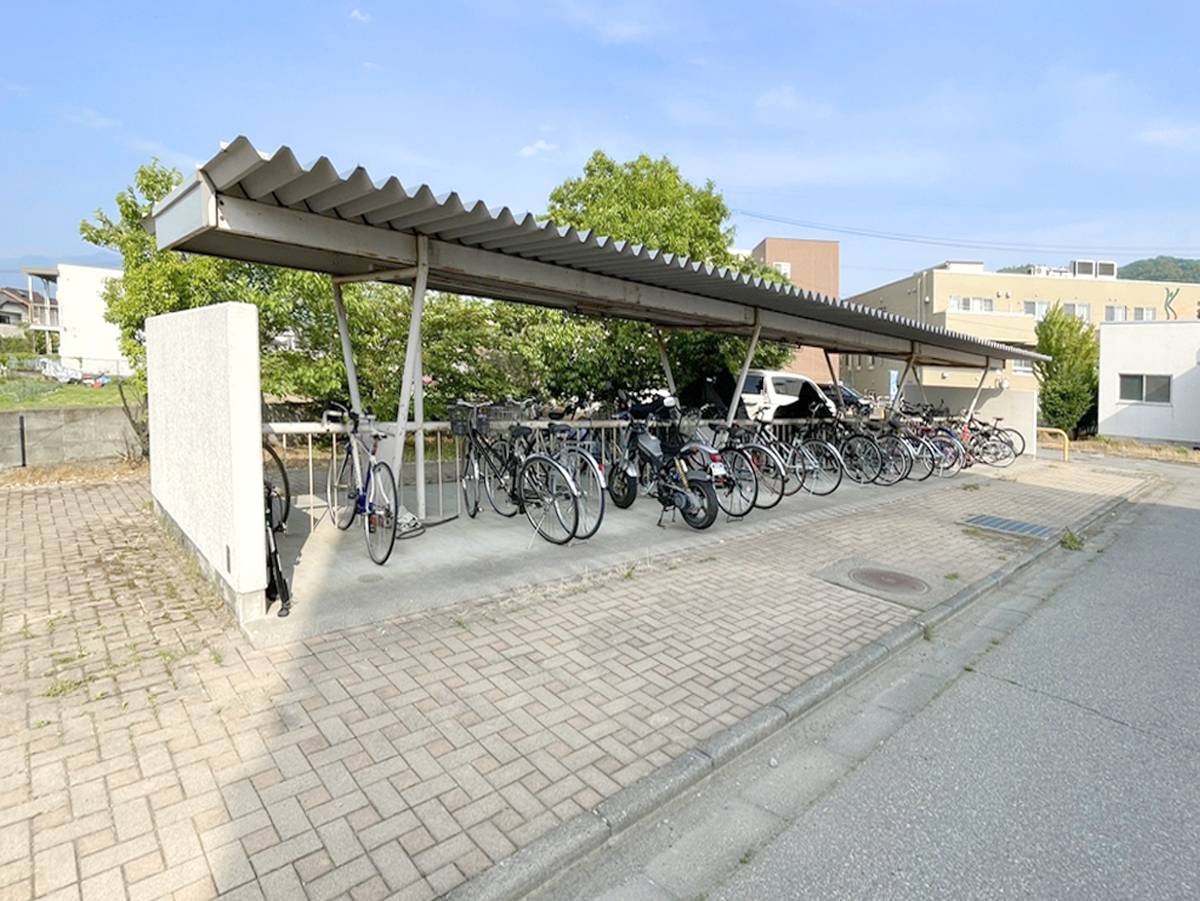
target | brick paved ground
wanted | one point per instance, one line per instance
(148, 751)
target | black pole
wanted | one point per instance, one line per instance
(21, 433)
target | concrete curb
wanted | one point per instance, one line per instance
(548, 856)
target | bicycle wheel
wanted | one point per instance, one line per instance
(862, 458)
(585, 471)
(771, 473)
(896, 460)
(823, 467)
(622, 487)
(1016, 439)
(995, 451)
(498, 474)
(548, 498)
(341, 491)
(379, 519)
(275, 477)
(793, 461)
(950, 456)
(737, 489)
(470, 483)
(924, 458)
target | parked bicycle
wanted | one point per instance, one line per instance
(359, 484)
(277, 497)
(515, 477)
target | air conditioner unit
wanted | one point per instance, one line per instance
(1083, 268)
(1106, 269)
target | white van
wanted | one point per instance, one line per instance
(768, 390)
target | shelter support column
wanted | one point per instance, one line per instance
(920, 383)
(666, 361)
(741, 380)
(837, 385)
(339, 308)
(979, 388)
(908, 365)
(412, 386)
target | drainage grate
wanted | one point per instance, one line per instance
(888, 580)
(1010, 526)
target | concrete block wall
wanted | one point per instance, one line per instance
(66, 435)
(202, 370)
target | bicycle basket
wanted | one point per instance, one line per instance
(460, 421)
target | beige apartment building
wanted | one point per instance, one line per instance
(964, 297)
(813, 266)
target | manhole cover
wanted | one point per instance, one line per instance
(888, 580)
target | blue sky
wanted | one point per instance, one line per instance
(1064, 125)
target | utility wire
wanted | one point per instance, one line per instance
(969, 244)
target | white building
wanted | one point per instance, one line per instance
(1150, 381)
(86, 340)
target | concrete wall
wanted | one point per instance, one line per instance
(1019, 408)
(86, 336)
(1151, 348)
(206, 443)
(67, 435)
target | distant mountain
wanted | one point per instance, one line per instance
(1163, 269)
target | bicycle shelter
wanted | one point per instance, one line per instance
(269, 208)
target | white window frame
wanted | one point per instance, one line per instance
(1142, 398)
(1040, 308)
(1139, 314)
(1023, 367)
(784, 268)
(1074, 308)
(1111, 308)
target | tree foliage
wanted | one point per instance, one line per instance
(1163, 269)
(648, 201)
(1069, 380)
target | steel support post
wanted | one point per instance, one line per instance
(412, 386)
(978, 389)
(666, 361)
(908, 365)
(837, 385)
(741, 380)
(343, 324)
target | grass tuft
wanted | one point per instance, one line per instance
(1070, 541)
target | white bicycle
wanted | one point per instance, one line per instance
(361, 484)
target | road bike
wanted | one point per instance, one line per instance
(361, 485)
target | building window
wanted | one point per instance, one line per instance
(1150, 389)
(1023, 366)
(783, 268)
(1144, 314)
(1078, 310)
(871, 362)
(1037, 308)
(1115, 313)
(959, 304)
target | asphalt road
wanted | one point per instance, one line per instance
(1066, 764)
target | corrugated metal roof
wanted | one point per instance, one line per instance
(279, 179)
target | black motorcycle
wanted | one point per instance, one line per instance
(659, 470)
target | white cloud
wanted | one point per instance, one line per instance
(89, 118)
(537, 147)
(359, 15)
(612, 22)
(1171, 136)
(177, 158)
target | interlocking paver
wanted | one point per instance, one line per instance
(148, 748)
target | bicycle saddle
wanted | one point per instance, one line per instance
(520, 431)
(561, 428)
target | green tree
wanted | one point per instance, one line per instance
(648, 201)
(1163, 269)
(1069, 379)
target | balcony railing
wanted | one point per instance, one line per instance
(44, 317)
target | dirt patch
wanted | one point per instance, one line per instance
(74, 474)
(1136, 450)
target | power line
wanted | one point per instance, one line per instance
(968, 244)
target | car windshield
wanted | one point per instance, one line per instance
(793, 387)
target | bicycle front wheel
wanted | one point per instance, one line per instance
(862, 458)
(498, 475)
(341, 492)
(549, 498)
(379, 520)
(823, 467)
(772, 475)
(470, 484)
(275, 477)
(585, 472)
